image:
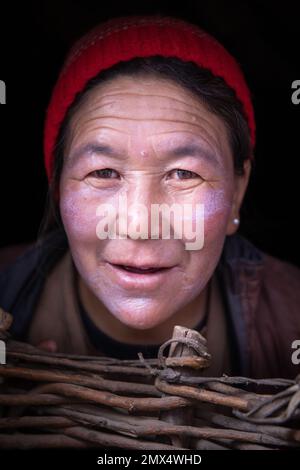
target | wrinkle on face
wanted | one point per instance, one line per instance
(100, 113)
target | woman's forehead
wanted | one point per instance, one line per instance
(141, 95)
(157, 108)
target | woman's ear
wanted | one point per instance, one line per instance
(240, 186)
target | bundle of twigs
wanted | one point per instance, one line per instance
(59, 400)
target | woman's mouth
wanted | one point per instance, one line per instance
(139, 277)
(133, 269)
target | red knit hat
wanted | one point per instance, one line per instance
(124, 38)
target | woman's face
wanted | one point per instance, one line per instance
(146, 141)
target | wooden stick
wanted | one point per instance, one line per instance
(34, 400)
(38, 375)
(180, 349)
(104, 366)
(202, 395)
(104, 418)
(40, 441)
(35, 422)
(161, 428)
(83, 365)
(110, 440)
(217, 419)
(131, 404)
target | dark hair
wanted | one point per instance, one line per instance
(212, 91)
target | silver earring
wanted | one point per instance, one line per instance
(236, 221)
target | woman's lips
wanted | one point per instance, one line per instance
(138, 277)
(139, 270)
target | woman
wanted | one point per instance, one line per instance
(152, 111)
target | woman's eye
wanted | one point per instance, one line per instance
(105, 173)
(184, 174)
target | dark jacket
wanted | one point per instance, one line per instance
(261, 295)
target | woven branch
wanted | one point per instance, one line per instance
(59, 400)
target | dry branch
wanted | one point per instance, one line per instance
(62, 400)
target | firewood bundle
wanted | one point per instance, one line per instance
(58, 400)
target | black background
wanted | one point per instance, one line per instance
(263, 36)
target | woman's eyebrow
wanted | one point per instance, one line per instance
(92, 149)
(196, 150)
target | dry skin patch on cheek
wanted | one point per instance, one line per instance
(217, 209)
(216, 203)
(78, 214)
(209, 216)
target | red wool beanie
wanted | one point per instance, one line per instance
(125, 38)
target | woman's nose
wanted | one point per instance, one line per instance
(141, 199)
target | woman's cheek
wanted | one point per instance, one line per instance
(217, 208)
(78, 212)
(208, 219)
(213, 222)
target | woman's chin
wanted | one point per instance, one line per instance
(142, 317)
